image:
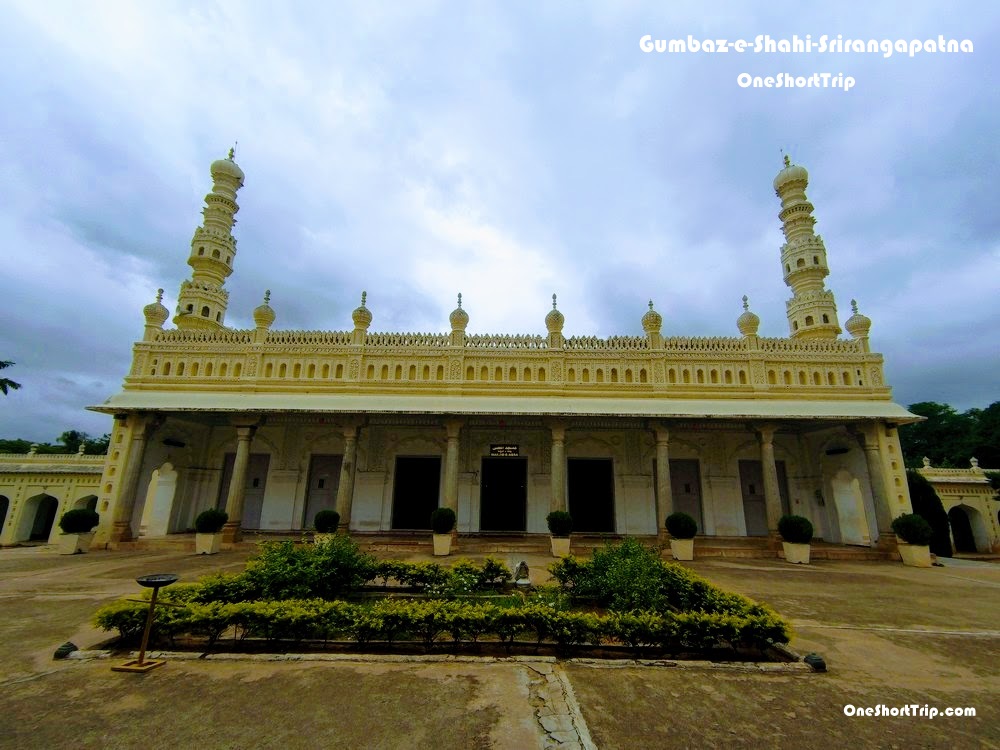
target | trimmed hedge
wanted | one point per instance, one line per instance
(210, 521)
(326, 521)
(913, 529)
(433, 621)
(442, 520)
(78, 521)
(795, 529)
(291, 593)
(681, 526)
(560, 523)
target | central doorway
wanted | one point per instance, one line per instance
(592, 494)
(752, 488)
(503, 495)
(415, 491)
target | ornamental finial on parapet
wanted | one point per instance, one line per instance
(748, 322)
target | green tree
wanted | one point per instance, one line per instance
(944, 436)
(926, 503)
(986, 436)
(6, 384)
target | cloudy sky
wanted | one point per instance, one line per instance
(503, 150)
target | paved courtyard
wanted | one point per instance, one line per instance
(892, 636)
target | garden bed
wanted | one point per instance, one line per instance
(624, 601)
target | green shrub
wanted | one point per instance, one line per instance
(560, 523)
(78, 521)
(284, 570)
(326, 521)
(913, 529)
(210, 521)
(442, 520)
(681, 526)
(795, 529)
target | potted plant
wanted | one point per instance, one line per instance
(796, 533)
(916, 534)
(560, 527)
(325, 522)
(442, 524)
(682, 529)
(208, 526)
(77, 530)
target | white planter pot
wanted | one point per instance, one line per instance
(207, 544)
(442, 544)
(682, 549)
(796, 553)
(74, 544)
(560, 546)
(917, 555)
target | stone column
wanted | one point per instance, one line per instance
(237, 486)
(772, 495)
(664, 491)
(454, 428)
(345, 489)
(142, 427)
(558, 499)
(883, 511)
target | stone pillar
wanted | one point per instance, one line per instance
(558, 499)
(772, 494)
(142, 426)
(883, 511)
(454, 428)
(237, 486)
(345, 489)
(664, 491)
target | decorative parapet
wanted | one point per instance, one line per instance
(218, 336)
(321, 360)
(51, 463)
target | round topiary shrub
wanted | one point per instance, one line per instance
(442, 520)
(560, 523)
(795, 529)
(681, 526)
(210, 521)
(326, 521)
(913, 529)
(78, 521)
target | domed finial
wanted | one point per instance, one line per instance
(554, 320)
(748, 322)
(858, 325)
(788, 162)
(459, 318)
(460, 300)
(156, 314)
(652, 320)
(263, 316)
(362, 316)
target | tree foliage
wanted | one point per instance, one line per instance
(927, 504)
(68, 442)
(6, 384)
(950, 438)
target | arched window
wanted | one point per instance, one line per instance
(180, 369)
(311, 371)
(713, 376)
(614, 374)
(223, 370)
(541, 374)
(282, 370)
(643, 377)
(470, 373)
(809, 320)
(512, 375)
(772, 378)
(208, 370)
(297, 370)
(440, 372)
(201, 250)
(527, 375)
(571, 375)
(743, 377)
(729, 376)
(216, 254)
(787, 377)
(802, 377)
(166, 369)
(484, 374)
(586, 375)
(194, 369)
(204, 311)
(238, 370)
(826, 318)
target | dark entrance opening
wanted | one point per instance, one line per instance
(253, 489)
(592, 494)
(752, 487)
(415, 491)
(45, 516)
(324, 479)
(961, 530)
(503, 495)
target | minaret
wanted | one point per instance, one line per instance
(202, 300)
(812, 311)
